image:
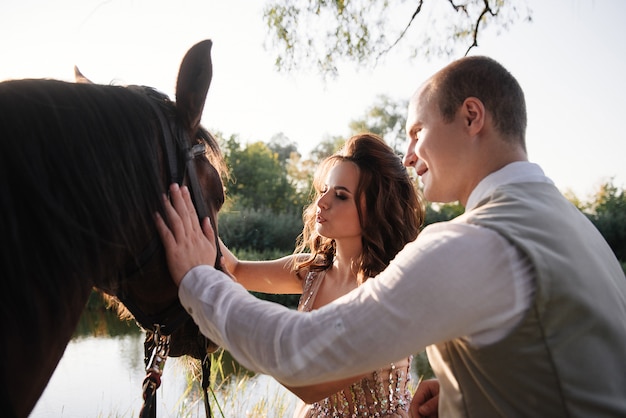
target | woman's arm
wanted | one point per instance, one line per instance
(273, 276)
(317, 392)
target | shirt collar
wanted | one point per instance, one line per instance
(516, 172)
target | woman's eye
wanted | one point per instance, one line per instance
(341, 196)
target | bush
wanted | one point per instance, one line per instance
(421, 366)
(290, 301)
(260, 230)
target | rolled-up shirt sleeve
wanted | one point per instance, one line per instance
(426, 295)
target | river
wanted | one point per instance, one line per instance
(102, 377)
(101, 372)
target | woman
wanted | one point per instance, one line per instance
(365, 211)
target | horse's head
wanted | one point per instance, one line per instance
(191, 156)
(83, 169)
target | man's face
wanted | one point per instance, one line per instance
(435, 149)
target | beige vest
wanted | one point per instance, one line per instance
(567, 358)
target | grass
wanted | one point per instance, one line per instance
(236, 392)
(233, 392)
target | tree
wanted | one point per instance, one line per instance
(441, 212)
(264, 210)
(257, 178)
(326, 148)
(320, 33)
(608, 214)
(387, 119)
(283, 147)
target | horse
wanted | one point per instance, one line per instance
(83, 170)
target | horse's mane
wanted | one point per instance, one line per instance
(79, 178)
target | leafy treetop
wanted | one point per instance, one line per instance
(321, 33)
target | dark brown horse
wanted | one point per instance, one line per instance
(83, 168)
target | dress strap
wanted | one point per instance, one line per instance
(310, 286)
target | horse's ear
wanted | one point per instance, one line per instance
(194, 79)
(80, 78)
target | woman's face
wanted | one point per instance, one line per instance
(337, 217)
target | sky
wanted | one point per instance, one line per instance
(570, 61)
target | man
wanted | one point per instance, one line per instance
(519, 302)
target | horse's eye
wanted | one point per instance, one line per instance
(197, 150)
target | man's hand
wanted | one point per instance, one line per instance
(425, 403)
(187, 245)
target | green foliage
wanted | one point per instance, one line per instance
(387, 119)
(321, 34)
(259, 255)
(290, 301)
(268, 191)
(608, 214)
(260, 230)
(300, 171)
(258, 179)
(442, 212)
(326, 148)
(264, 175)
(283, 148)
(421, 366)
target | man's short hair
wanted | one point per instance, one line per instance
(488, 81)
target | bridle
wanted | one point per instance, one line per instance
(180, 158)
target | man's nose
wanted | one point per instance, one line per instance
(410, 159)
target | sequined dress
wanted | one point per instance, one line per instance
(383, 393)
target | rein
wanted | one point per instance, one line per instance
(159, 327)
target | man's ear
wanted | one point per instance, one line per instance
(474, 114)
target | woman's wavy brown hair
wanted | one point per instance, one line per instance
(391, 212)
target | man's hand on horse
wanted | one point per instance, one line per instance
(187, 244)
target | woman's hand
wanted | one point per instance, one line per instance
(187, 245)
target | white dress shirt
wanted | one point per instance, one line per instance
(455, 280)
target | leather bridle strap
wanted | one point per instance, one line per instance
(194, 183)
(196, 193)
(166, 322)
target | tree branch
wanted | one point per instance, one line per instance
(417, 11)
(486, 10)
(458, 7)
